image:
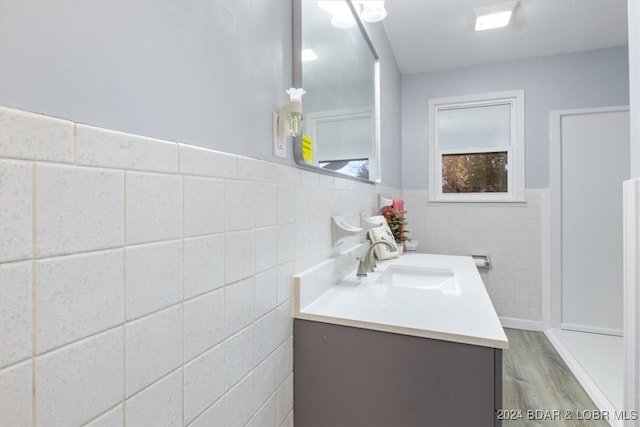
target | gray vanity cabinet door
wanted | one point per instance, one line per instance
(346, 376)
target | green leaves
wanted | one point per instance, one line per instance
(396, 220)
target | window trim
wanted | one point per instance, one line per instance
(515, 152)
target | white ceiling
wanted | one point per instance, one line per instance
(429, 35)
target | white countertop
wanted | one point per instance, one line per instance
(465, 316)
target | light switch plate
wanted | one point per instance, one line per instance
(279, 143)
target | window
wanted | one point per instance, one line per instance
(476, 148)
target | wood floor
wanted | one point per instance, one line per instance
(538, 387)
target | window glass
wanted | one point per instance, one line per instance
(475, 173)
(482, 126)
(350, 138)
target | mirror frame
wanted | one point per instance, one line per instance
(297, 82)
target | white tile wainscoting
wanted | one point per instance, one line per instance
(510, 234)
(147, 282)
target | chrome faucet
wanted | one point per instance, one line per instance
(367, 263)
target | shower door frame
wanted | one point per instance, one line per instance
(555, 181)
(552, 268)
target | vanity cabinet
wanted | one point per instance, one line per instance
(348, 376)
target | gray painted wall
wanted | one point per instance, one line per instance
(176, 70)
(578, 80)
(206, 73)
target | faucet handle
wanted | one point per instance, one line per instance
(362, 269)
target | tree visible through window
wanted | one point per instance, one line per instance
(475, 173)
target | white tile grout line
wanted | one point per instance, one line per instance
(33, 292)
(183, 290)
(124, 298)
(75, 143)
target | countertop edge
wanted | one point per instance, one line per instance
(422, 333)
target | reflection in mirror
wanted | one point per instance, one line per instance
(338, 69)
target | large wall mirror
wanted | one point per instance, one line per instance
(336, 64)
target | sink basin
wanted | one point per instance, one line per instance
(419, 277)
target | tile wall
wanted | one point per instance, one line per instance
(510, 235)
(146, 282)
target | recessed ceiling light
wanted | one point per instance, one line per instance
(494, 15)
(308, 55)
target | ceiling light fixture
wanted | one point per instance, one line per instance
(343, 19)
(494, 15)
(342, 16)
(308, 55)
(372, 10)
(330, 5)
